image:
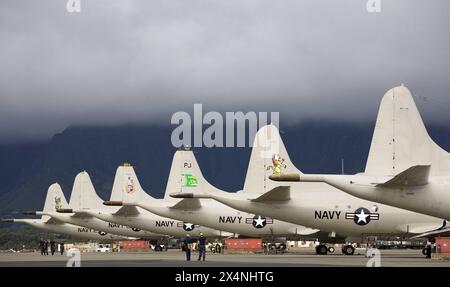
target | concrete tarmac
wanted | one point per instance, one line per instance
(176, 258)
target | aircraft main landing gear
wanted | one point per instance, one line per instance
(348, 250)
(321, 249)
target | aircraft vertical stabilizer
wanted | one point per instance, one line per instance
(126, 186)
(186, 177)
(400, 139)
(83, 194)
(55, 200)
(269, 156)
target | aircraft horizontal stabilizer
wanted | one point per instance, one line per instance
(295, 177)
(279, 193)
(7, 220)
(29, 212)
(127, 211)
(187, 203)
(113, 203)
(64, 210)
(414, 176)
(190, 195)
(182, 195)
(285, 177)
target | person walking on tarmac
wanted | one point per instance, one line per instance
(52, 247)
(61, 248)
(428, 251)
(46, 247)
(41, 246)
(202, 247)
(187, 246)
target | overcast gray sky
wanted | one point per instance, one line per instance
(139, 61)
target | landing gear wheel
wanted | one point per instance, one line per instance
(348, 250)
(321, 249)
(331, 249)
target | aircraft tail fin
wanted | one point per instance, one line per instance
(55, 200)
(400, 139)
(83, 194)
(186, 176)
(269, 156)
(127, 187)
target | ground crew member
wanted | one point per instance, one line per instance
(45, 247)
(61, 248)
(52, 247)
(41, 246)
(187, 246)
(202, 247)
(428, 250)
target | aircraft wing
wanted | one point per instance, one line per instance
(187, 203)
(76, 213)
(279, 193)
(441, 232)
(444, 230)
(414, 176)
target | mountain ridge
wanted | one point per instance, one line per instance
(26, 170)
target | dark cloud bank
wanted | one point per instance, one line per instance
(139, 61)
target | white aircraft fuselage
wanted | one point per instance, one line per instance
(219, 216)
(336, 212)
(97, 224)
(431, 199)
(70, 229)
(150, 222)
(405, 167)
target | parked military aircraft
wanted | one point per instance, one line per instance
(83, 198)
(55, 199)
(186, 176)
(316, 205)
(405, 167)
(126, 182)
